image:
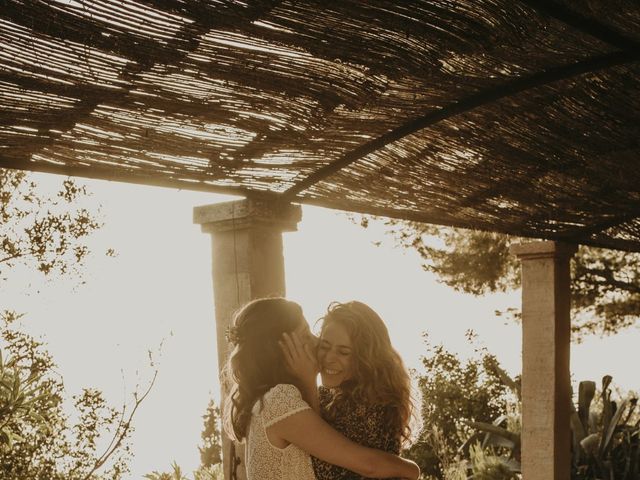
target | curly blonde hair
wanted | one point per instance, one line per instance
(256, 363)
(379, 376)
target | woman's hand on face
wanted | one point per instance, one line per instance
(300, 357)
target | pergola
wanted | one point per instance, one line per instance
(514, 116)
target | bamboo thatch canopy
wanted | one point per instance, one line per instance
(520, 116)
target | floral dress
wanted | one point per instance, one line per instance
(361, 423)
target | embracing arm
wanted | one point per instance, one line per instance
(310, 395)
(332, 447)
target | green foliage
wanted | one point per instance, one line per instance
(19, 397)
(606, 289)
(46, 443)
(454, 393)
(485, 465)
(211, 449)
(606, 437)
(213, 472)
(45, 233)
(210, 452)
(39, 440)
(605, 283)
(605, 433)
(175, 474)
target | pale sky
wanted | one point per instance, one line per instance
(159, 288)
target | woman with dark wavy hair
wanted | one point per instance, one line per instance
(366, 391)
(265, 408)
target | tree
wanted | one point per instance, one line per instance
(211, 449)
(472, 410)
(455, 393)
(605, 283)
(47, 233)
(43, 232)
(44, 442)
(19, 396)
(210, 452)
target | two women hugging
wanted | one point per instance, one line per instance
(352, 427)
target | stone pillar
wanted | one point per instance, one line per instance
(546, 387)
(247, 263)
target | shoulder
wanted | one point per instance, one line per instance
(283, 391)
(280, 402)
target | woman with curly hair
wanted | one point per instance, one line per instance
(265, 409)
(366, 391)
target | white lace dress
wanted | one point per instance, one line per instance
(265, 461)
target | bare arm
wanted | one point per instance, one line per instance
(309, 393)
(327, 444)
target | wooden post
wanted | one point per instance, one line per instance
(247, 263)
(546, 388)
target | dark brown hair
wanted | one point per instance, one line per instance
(256, 363)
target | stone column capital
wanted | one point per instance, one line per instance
(247, 213)
(543, 249)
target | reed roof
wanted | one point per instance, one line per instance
(518, 116)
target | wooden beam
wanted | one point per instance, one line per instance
(123, 175)
(463, 105)
(598, 227)
(444, 218)
(584, 24)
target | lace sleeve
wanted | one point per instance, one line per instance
(280, 402)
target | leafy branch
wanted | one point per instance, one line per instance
(122, 430)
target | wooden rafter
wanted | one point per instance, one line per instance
(585, 24)
(471, 102)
